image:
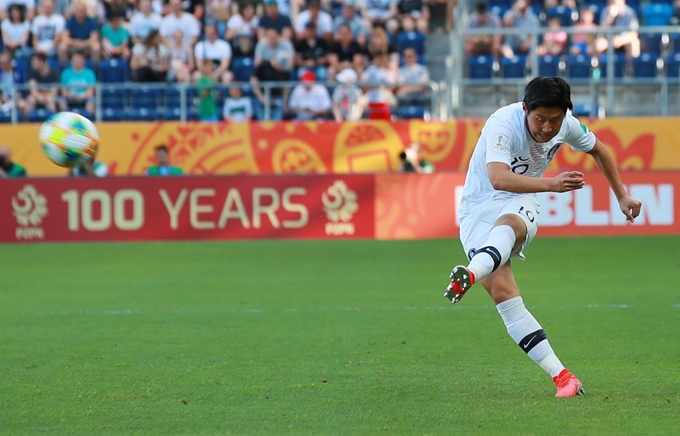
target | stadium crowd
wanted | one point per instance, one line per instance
(209, 45)
(637, 54)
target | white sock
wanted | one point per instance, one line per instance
(493, 253)
(529, 335)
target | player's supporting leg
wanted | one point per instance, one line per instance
(526, 331)
(507, 235)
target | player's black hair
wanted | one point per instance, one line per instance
(544, 91)
(480, 8)
(162, 147)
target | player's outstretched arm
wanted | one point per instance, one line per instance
(629, 206)
(503, 179)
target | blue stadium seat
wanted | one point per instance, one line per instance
(672, 63)
(583, 109)
(597, 7)
(142, 114)
(564, 13)
(113, 71)
(674, 46)
(651, 43)
(645, 65)
(579, 67)
(38, 115)
(173, 97)
(172, 113)
(548, 65)
(499, 10)
(54, 64)
(21, 67)
(504, 3)
(242, 68)
(113, 114)
(514, 67)
(619, 65)
(5, 117)
(114, 97)
(411, 112)
(83, 112)
(480, 67)
(144, 97)
(657, 14)
(414, 40)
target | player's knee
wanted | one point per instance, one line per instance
(516, 223)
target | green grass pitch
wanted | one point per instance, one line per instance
(332, 338)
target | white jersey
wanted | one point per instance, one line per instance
(505, 138)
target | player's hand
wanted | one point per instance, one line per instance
(568, 181)
(630, 207)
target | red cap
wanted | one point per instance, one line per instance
(308, 77)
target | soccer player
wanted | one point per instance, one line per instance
(499, 211)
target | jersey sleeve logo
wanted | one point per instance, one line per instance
(499, 142)
(584, 128)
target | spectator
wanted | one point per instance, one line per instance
(216, 50)
(412, 160)
(324, 22)
(348, 100)
(48, 30)
(82, 34)
(8, 79)
(143, 22)
(95, 9)
(345, 53)
(584, 43)
(412, 78)
(379, 12)
(273, 18)
(519, 17)
(178, 19)
(219, 10)
(618, 14)
(78, 85)
(488, 44)
(15, 32)
(41, 74)
(149, 60)
(555, 41)
(237, 108)
(273, 62)
(90, 169)
(9, 169)
(115, 38)
(348, 16)
(410, 37)
(181, 59)
(27, 8)
(309, 100)
(244, 24)
(416, 9)
(311, 52)
(163, 167)
(382, 80)
(207, 107)
(380, 43)
(124, 8)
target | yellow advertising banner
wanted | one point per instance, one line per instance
(328, 147)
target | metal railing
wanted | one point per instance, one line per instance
(601, 91)
(188, 100)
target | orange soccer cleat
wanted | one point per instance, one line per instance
(567, 384)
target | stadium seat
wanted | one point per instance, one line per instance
(514, 67)
(597, 8)
(651, 43)
(672, 63)
(566, 15)
(657, 14)
(619, 65)
(54, 64)
(499, 10)
(145, 97)
(674, 39)
(38, 115)
(82, 112)
(113, 114)
(548, 65)
(173, 97)
(113, 71)
(114, 97)
(173, 113)
(411, 112)
(644, 66)
(480, 67)
(583, 109)
(579, 67)
(414, 40)
(5, 117)
(504, 3)
(243, 69)
(142, 114)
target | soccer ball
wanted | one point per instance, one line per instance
(69, 139)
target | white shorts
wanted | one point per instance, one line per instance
(475, 227)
